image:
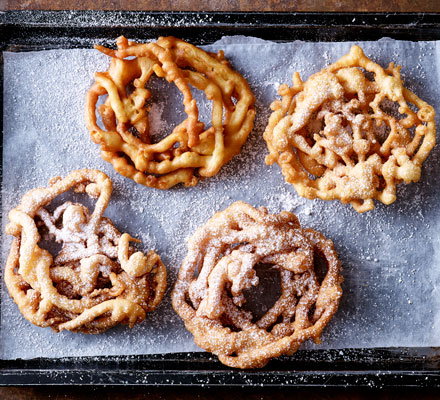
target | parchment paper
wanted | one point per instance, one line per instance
(390, 255)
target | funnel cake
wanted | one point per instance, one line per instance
(350, 132)
(190, 147)
(220, 267)
(96, 280)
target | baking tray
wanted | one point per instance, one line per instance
(378, 367)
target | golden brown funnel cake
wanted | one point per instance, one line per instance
(96, 281)
(190, 147)
(336, 136)
(220, 266)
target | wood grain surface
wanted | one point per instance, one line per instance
(188, 393)
(228, 5)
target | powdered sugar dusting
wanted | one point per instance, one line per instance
(390, 296)
(157, 124)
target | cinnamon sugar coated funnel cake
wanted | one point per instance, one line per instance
(350, 132)
(191, 147)
(209, 294)
(96, 280)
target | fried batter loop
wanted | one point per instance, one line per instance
(125, 141)
(336, 136)
(95, 281)
(220, 266)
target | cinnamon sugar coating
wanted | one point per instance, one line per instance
(96, 280)
(209, 294)
(190, 147)
(336, 136)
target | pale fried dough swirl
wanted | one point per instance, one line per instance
(95, 281)
(336, 136)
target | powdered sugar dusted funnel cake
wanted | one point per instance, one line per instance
(219, 269)
(96, 280)
(350, 132)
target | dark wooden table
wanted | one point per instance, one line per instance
(69, 393)
(229, 5)
(184, 393)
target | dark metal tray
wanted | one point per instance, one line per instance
(37, 30)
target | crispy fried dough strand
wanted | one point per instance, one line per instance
(219, 267)
(125, 140)
(95, 281)
(339, 127)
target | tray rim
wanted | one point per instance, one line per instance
(76, 22)
(377, 367)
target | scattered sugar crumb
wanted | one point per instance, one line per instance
(45, 136)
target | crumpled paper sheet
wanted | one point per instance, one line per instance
(390, 256)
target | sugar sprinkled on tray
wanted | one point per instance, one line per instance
(381, 251)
